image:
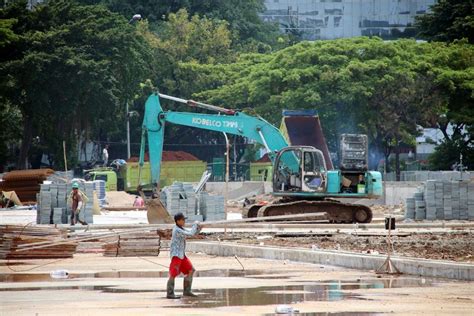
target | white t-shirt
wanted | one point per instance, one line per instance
(105, 154)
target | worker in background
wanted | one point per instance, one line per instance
(179, 262)
(105, 155)
(138, 202)
(77, 200)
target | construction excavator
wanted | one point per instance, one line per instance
(301, 181)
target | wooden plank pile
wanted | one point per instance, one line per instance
(138, 244)
(15, 239)
(26, 183)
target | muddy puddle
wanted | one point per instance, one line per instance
(39, 277)
(294, 290)
(330, 314)
(291, 294)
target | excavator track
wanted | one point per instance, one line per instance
(337, 212)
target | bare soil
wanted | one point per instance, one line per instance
(456, 246)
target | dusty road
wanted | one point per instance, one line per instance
(135, 286)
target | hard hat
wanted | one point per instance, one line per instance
(75, 185)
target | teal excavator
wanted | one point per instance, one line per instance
(301, 181)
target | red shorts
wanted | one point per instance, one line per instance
(178, 266)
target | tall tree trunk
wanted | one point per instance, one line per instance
(25, 143)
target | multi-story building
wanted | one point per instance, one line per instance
(330, 19)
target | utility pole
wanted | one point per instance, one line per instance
(128, 130)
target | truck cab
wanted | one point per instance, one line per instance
(109, 176)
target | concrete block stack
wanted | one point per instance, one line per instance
(420, 206)
(181, 197)
(44, 205)
(470, 200)
(52, 205)
(410, 208)
(99, 187)
(447, 201)
(429, 195)
(57, 215)
(463, 204)
(175, 200)
(62, 202)
(212, 207)
(438, 199)
(87, 213)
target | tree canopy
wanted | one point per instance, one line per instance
(71, 69)
(384, 89)
(447, 21)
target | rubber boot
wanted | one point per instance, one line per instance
(82, 222)
(170, 289)
(187, 283)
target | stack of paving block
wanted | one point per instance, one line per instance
(62, 202)
(212, 207)
(44, 205)
(181, 197)
(470, 200)
(192, 203)
(174, 198)
(52, 205)
(437, 199)
(99, 186)
(87, 210)
(420, 206)
(429, 195)
(57, 215)
(131, 245)
(410, 208)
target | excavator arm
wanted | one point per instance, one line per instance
(236, 123)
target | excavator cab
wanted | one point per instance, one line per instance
(300, 169)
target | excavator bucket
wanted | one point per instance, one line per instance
(156, 212)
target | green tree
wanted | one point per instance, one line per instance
(73, 69)
(241, 16)
(384, 89)
(447, 21)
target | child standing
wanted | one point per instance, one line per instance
(179, 262)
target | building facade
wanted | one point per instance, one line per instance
(331, 19)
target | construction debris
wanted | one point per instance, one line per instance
(13, 238)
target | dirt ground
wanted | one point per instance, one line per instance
(100, 285)
(455, 246)
(120, 198)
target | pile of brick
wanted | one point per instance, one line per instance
(181, 197)
(52, 205)
(443, 200)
